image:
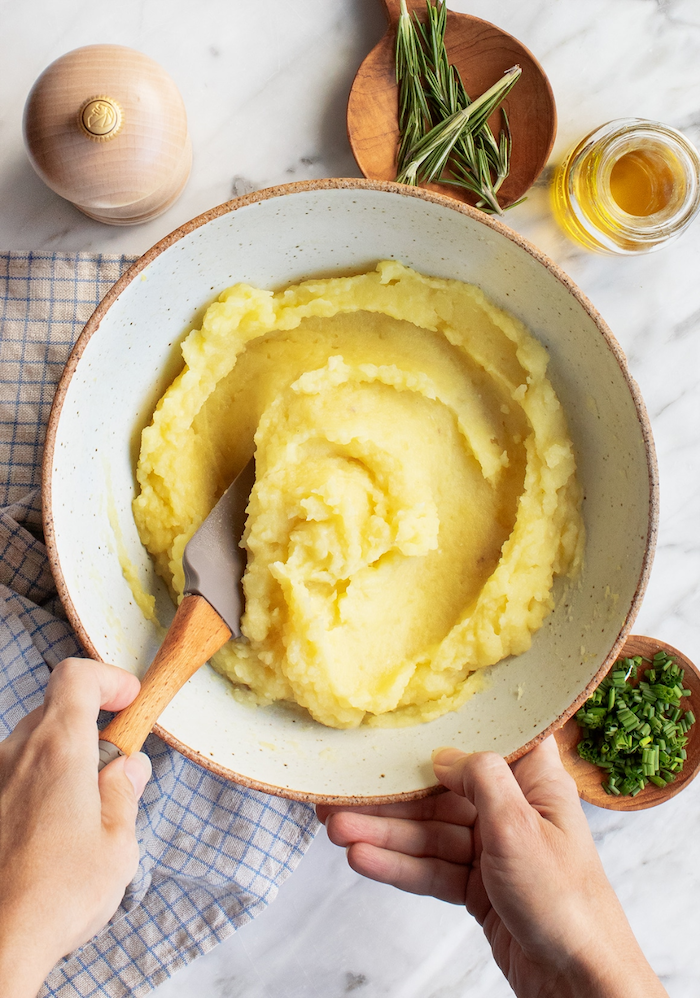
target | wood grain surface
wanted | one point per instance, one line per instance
(589, 778)
(196, 633)
(482, 53)
(130, 177)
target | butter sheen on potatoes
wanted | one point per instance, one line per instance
(415, 488)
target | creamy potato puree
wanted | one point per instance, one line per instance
(415, 488)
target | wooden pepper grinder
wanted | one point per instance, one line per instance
(106, 128)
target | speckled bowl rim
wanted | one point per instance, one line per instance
(98, 315)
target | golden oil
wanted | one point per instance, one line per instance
(628, 187)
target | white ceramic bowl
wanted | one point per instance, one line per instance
(127, 355)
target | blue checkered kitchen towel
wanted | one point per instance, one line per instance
(212, 854)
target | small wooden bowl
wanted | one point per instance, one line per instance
(589, 777)
(482, 53)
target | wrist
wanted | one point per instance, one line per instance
(595, 953)
(591, 957)
(23, 965)
(613, 973)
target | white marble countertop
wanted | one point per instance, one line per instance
(265, 83)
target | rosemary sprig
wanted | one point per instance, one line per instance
(453, 133)
(429, 155)
(476, 155)
(476, 159)
(442, 80)
(414, 116)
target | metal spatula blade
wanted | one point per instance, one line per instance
(209, 614)
(214, 562)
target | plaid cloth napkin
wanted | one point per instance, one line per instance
(212, 854)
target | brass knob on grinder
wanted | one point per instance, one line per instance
(106, 128)
(100, 118)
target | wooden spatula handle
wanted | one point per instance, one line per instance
(197, 631)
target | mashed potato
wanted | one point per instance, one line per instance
(415, 488)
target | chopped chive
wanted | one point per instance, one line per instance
(637, 734)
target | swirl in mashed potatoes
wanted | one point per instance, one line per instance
(415, 488)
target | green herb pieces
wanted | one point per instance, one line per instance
(445, 136)
(638, 734)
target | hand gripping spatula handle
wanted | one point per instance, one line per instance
(197, 631)
(209, 614)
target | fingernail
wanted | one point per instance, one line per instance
(138, 770)
(446, 756)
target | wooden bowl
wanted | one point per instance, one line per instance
(482, 53)
(589, 777)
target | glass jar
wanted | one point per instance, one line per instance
(628, 187)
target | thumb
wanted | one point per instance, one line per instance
(486, 781)
(121, 784)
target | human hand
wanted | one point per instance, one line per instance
(67, 843)
(512, 844)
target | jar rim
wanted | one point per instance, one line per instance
(672, 215)
(616, 228)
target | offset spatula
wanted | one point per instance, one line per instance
(209, 614)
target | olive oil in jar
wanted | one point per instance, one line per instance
(628, 187)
